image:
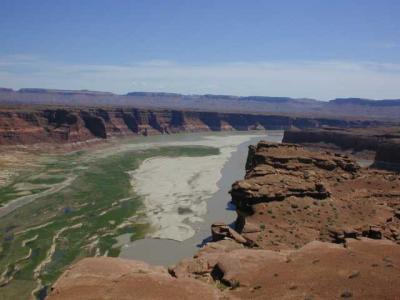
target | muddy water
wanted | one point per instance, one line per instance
(167, 251)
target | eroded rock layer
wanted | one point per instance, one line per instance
(383, 141)
(311, 225)
(296, 196)
(113, 278)
(29, 125)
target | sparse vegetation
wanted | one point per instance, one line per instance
(92, 201)
(220, 285)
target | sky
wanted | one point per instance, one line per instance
(311, 48)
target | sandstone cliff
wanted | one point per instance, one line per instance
(311, 225)
(337, 108)
(384, 141)
(64, 125)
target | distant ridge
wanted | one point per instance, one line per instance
(341, 101)
(340, 107)
(370, 102)
(66, 92)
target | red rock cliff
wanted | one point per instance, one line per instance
(63, 125)
(384, 141)
(312, 225)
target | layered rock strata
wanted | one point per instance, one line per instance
(30, 125)
(383, 141)
(298, 196)
(383, 109)
(311, 225)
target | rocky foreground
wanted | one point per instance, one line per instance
(311, 225)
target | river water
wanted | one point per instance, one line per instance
(167, 245)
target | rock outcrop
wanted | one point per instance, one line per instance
(297, 196)
(113, 278)
(388, 153)
(364, 269)
(311, 225)
(302, 107)
(29, 125)
(383, 141)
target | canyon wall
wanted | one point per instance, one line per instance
(344, 139)
(306, 220)
(64, 125)
(384, 141)
(338, 108)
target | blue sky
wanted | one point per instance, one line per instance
(309, 48)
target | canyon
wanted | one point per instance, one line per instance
(57, 208)
(30, 116)
(308, 214)
(382, 142)
(310, 225)
(336, 108)
(32, 125)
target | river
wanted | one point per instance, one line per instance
(169, 246)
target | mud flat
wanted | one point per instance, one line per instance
(51, 191)
(306, 220)
(184, 195)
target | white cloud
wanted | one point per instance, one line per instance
(313, 79)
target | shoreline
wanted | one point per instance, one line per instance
(102, 176)
(166, 251)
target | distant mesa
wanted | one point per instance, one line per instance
(63, 92)
(153, 94)
(299, 107)
(53, 124)
(368, 102)
(5, 90)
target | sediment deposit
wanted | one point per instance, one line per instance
(180, 199)
(311, 225)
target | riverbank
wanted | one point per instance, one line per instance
(100, 199)
(168, 246)
(304, 218)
